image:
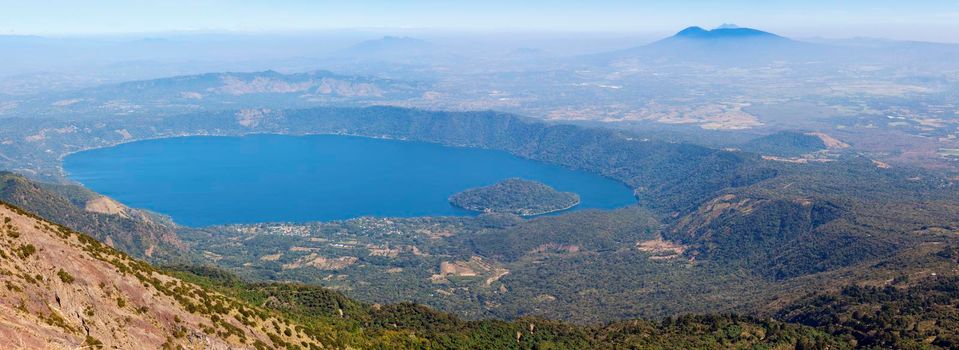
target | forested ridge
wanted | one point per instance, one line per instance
(407, 325)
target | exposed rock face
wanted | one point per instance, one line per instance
(474, 267)
(829, 141)
(106, 205)
(456, 269)
(65, 290)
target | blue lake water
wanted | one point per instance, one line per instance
(203, 181)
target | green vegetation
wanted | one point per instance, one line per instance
(24, 251)
(813, 227)
(92, 343)
(899, 316)
(785, 144)
(515, 196)
(65, 277)
(340, 321)
(64, 205)
(399, 259)
(904, 315)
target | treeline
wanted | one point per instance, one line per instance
(903, 315)
(785, 144)
(587, 230)
(397, 326)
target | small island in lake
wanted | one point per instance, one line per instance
(515, 196)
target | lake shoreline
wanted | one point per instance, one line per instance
(571, 206)
(383, 181)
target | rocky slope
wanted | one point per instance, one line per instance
(132, 231)
(65, 290)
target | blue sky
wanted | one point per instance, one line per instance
(936, 20)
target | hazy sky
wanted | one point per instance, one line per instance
(936, 20)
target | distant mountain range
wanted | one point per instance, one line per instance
(189, 93)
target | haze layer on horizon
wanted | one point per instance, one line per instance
(925, 20)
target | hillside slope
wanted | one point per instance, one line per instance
(132, 231)
(897, 316)
(64, 290)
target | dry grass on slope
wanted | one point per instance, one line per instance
(63, 290)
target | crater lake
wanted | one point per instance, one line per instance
(207, 180)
